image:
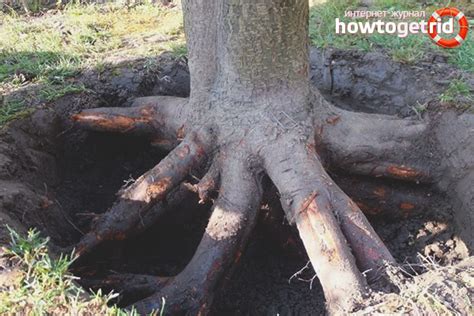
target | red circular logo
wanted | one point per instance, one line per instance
(448, 42)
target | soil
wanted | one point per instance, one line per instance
(58, 178)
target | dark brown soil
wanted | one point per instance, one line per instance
(56, 178)
(373, 83)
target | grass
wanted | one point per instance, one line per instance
(179, 50)
(457, 88)
(52, 49)
(12, 110)
(459, 95)
(53, 92)
(43, 286)
(438, 291)
(408, 50)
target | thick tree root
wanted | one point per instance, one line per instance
(136, 285)
(136, 200)
(160, 118)
(381, 200)
(232, 220)
(316, 205)
(375, 145)
(208, 184)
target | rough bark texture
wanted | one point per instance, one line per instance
(251, 112)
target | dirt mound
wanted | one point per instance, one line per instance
(57, 178)
(439, 291)
(373, 83)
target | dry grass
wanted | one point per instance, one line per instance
(52, 49)
(439, 290)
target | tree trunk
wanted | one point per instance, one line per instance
(250, 58)
(252, 112)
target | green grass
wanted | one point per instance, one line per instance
(55, 91)
(408, 50)
(463, 57)
(12, 110)
(52, 49)
(179, 50)
(456, 88)
(458, 95)
(43, 286)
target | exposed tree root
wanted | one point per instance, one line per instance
(160, 118)
(305, 196)
(387, 200)
(135, 201)
(232, 220)
(375, 145)
(317, 193)
(136, 285)
(208, 184)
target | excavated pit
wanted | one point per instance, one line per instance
(57, 178)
